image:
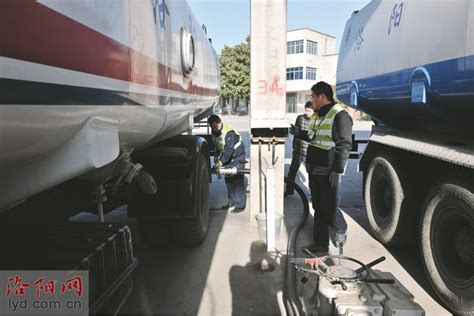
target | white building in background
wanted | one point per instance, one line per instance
(311, 57)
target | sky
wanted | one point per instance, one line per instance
(228, 21)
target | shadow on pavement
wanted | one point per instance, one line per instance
(255, 291)
(172, 280)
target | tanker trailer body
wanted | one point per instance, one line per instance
(410, 66)
(94, 97)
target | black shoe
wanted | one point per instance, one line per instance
(288, 192)
(238, 209)
(316, 249)
(228, 206)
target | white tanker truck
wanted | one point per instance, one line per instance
(410, 65)
(94, 97)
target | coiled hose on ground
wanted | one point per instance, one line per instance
(292, 302)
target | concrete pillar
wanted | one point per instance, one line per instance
(268, 125)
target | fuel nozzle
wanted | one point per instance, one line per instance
(339, 241)
(230, 171)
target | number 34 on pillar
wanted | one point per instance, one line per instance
(273, 88)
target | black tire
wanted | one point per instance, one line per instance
(191, 232)
(447, 245)
(388, 202)
(155, 232)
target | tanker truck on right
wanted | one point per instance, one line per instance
(410, 66)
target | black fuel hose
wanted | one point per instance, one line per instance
(292, 302)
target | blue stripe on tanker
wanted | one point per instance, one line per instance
(451, 77)
(388, 97)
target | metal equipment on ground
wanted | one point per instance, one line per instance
(353, 288)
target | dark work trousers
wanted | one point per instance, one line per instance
(326, 209)
(296, 161)
(236, 190)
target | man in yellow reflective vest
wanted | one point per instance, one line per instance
(330, 142)
(230, 152)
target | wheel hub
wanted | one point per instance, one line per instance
(387, 194)
(464, 243)
(382, 199)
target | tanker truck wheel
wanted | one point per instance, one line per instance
(158, 232)
(388, 203)
(447, 245)
(179, 211)
(191, 232)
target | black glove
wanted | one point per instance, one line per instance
(294, 130)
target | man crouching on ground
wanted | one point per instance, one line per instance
(230, 152)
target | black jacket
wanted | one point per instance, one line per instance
(299, 145)
(230, 156)
(342, 136)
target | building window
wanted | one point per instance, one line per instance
(312, 48)
(310, 73)
(295, 73)
(295, 47)
(291, 102)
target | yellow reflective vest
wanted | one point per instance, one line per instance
(219, 141)
(320, 128)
